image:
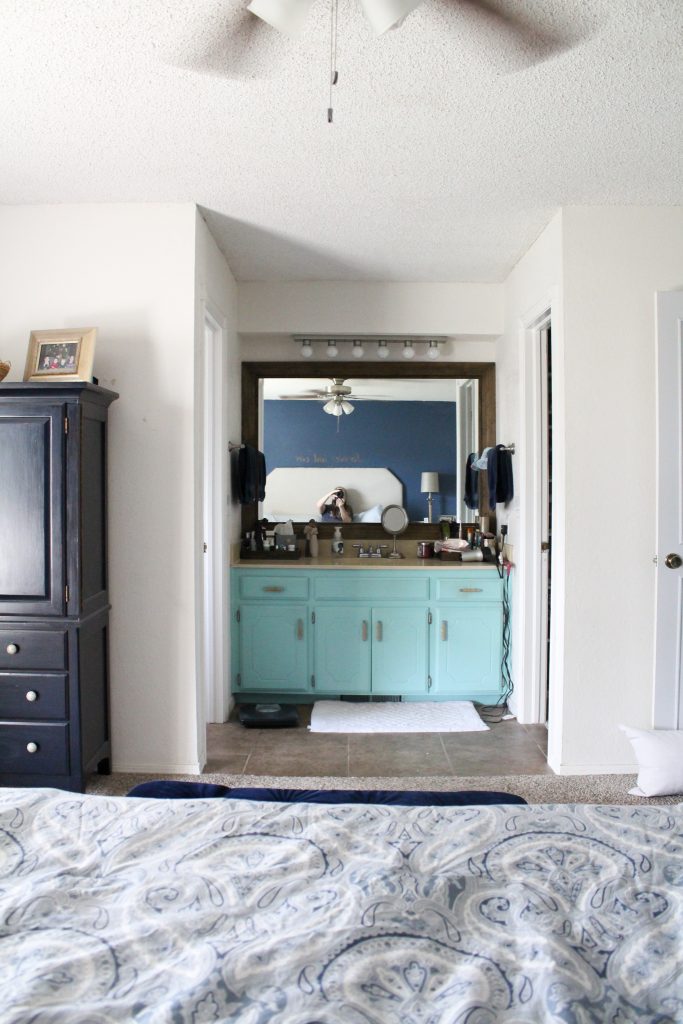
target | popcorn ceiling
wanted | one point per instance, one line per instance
(455, 138)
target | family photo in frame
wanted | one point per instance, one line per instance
(64, 354)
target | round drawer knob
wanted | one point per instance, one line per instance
(32, 747)
(31, 696)
(12, 648)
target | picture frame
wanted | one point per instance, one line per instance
(64, 354)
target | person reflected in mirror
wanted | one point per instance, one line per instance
(334, 507)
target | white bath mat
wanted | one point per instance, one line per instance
(392, 716)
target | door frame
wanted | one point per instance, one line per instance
(528, 613)
(213, 662)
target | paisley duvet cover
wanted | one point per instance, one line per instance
(116, 909)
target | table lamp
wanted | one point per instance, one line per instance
(429, 484)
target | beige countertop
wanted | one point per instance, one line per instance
(328, 562)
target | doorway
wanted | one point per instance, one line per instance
(538, 593)
(546, 498)
(668, 681)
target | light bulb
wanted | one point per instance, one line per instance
(358, 350)
(433, 350)
(332, 349)
(329, 407)
(408, 350)
(382, 350)
(347, 407)
(337, 411)
(306, 349)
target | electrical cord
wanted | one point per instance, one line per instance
(493, 713)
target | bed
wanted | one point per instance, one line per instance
(119, 909)
(294, 493)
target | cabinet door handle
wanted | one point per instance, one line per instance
(299, 629)
(364, 630)
(12, 648)
(378, 630)
(31, 696)
(471, 590)
(444, 629)
(273, 590)
(32, 747)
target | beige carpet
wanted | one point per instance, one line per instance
(535, 789)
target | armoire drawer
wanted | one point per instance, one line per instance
(33, 697)
(34, 748)
(27, 649)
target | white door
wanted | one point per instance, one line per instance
(668, 699)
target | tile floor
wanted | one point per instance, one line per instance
(508, 748)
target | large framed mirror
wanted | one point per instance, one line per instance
(283, 408)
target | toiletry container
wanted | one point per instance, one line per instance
(337, 542)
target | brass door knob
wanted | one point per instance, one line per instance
(673, 561)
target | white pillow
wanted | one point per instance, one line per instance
(659, 753)
(370, 515)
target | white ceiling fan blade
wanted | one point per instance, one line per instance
(287, 16)
(386, 14)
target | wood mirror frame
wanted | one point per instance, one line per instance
(485, 373)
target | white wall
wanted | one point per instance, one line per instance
(352, 307)
(129, 271)
(614, 261)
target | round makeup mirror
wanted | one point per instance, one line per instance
(394, 521)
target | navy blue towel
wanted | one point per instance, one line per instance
(251, 475)
(499, 474)
(471, 496)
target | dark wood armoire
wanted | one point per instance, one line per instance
(54, 595)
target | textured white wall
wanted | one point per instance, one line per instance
(129, 271)
(614, 261)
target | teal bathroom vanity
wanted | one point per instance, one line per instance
(310, 629)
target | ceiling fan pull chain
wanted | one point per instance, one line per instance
(334, 74)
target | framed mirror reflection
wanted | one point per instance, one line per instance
(383, 433)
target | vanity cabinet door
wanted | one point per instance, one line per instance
(273, 646)
(342, 647)
(466, 650)
(400, 650)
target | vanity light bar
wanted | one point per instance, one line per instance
(359, 345)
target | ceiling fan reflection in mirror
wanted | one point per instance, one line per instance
(335, 396)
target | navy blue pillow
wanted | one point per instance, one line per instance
(169, 790)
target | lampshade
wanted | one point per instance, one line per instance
(429, 483)
(286, 16)
(386, 14)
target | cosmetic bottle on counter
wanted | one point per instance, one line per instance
(337, 542)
